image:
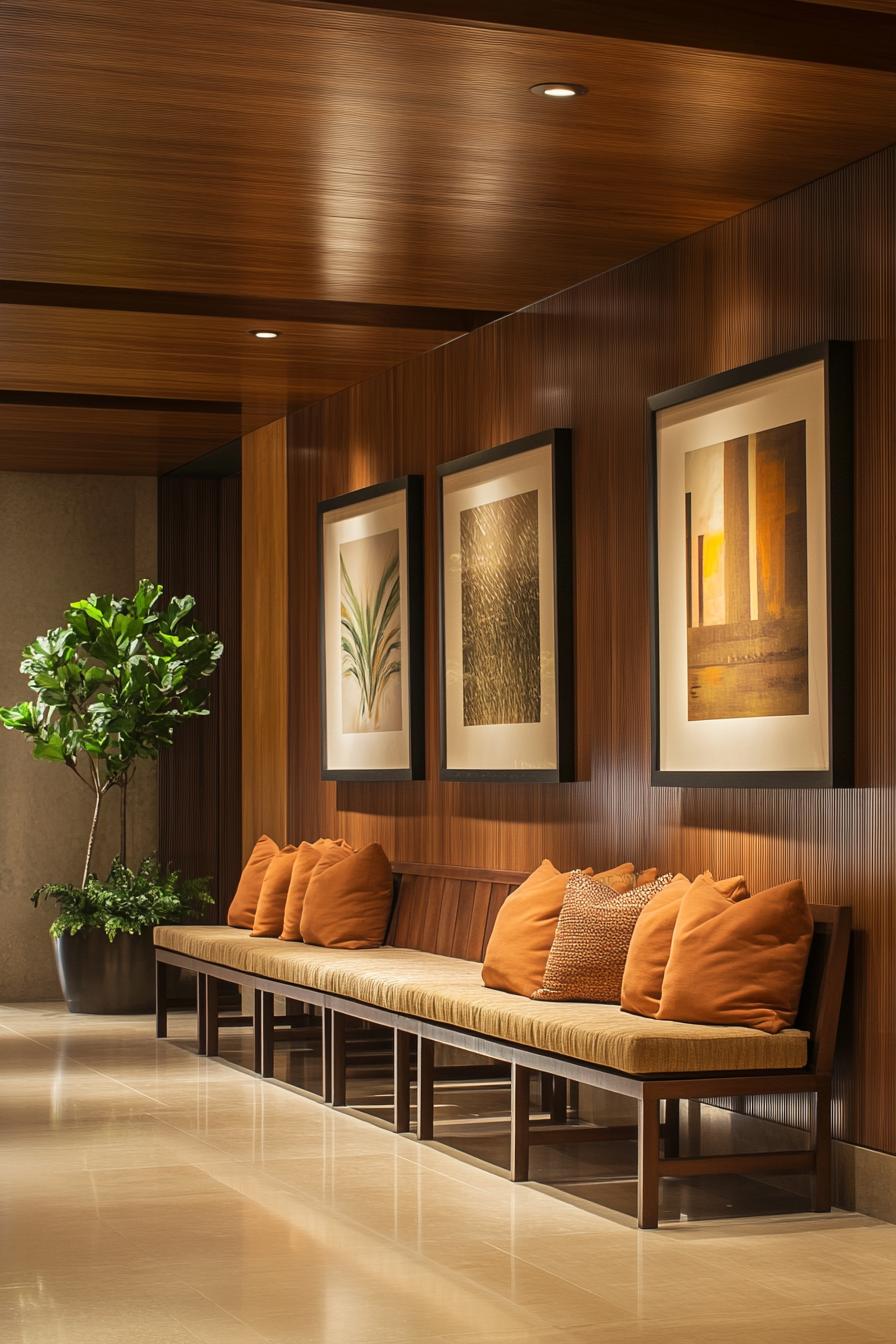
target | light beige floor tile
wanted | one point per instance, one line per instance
(148, 1193)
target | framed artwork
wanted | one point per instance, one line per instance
(371, 632)
(752, 575)
(505, 558)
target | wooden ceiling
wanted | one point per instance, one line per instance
(369, 181)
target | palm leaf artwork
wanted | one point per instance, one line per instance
(371, 638)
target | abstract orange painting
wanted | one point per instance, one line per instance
(745, 576)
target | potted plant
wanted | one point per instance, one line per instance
(110, 686)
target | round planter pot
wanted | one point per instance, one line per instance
(102, 977)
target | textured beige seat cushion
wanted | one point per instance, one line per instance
(445, 989)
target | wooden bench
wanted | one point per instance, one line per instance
(449, 913)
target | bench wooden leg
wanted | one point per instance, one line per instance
(546, 1083)
(558, 1102)
(326, 1047)
(671, 1127)
(161, 1000)
(401, 1081)
(211, 1015)
(648, 1162)
(256, 1030)
(264, 1033)
(201, 1043)
(425, 1088)
(520, 1078)
(337, 1059)
(821, 1142)
(573, 1089)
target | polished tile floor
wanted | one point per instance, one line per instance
(149, 1195)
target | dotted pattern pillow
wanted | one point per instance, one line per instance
(596, 923)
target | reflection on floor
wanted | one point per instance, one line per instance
(148, 1194)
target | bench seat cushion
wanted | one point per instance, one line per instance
(448, 990)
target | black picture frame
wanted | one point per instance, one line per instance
(837, 358)
(560, 443)
(413, 586)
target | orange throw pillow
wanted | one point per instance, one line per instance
(309, 859)
(648, 951)
(738, 962)
(268, 922)
(594, 930)
(241, 914)
(349, 903)
(521, 939)
(620, 878)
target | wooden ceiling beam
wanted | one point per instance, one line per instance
(93, 401)
(791, 30)
(325, 312)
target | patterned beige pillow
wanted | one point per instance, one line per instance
(587, 959)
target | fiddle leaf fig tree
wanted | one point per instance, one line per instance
(111, 684)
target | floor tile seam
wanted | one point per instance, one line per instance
(41, 1045)
(658, 1287)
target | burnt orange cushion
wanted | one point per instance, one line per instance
(268, 921)
(621, 878)
(521, 939)
(524, 929)
(648, 951)
(738, 962)
(321, 855)
(349, 902)
(241, 914)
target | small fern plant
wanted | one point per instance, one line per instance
(126, 901)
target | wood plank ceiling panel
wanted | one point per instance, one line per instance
(229, 147)
(246, 155)
(146, 441)
(212, 359)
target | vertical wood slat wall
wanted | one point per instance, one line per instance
(265, 701)
(816, 264)
(200, 777)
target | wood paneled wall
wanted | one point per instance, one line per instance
(819, 263)
(200, 778)
(266, 673)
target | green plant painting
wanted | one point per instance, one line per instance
(370, 634)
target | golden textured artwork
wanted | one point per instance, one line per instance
(500, 611)
(746, 576)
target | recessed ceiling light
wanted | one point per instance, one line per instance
(265, 335)
(555, 90)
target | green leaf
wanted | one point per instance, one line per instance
(50, 748)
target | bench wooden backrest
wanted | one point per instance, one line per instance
(452, 911)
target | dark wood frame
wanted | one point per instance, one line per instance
(837, 358)
(412, 596)
(657, 1129)
(560, 443)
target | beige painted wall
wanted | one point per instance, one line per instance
(61, 537)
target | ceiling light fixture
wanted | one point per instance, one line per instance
(555, 90)
(265, 335)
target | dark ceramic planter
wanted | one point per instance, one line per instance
(102, 977)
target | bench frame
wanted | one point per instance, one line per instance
(658, 1097)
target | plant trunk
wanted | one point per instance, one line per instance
(123, 850)
(92, 837)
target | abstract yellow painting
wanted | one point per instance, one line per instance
(746, 576)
